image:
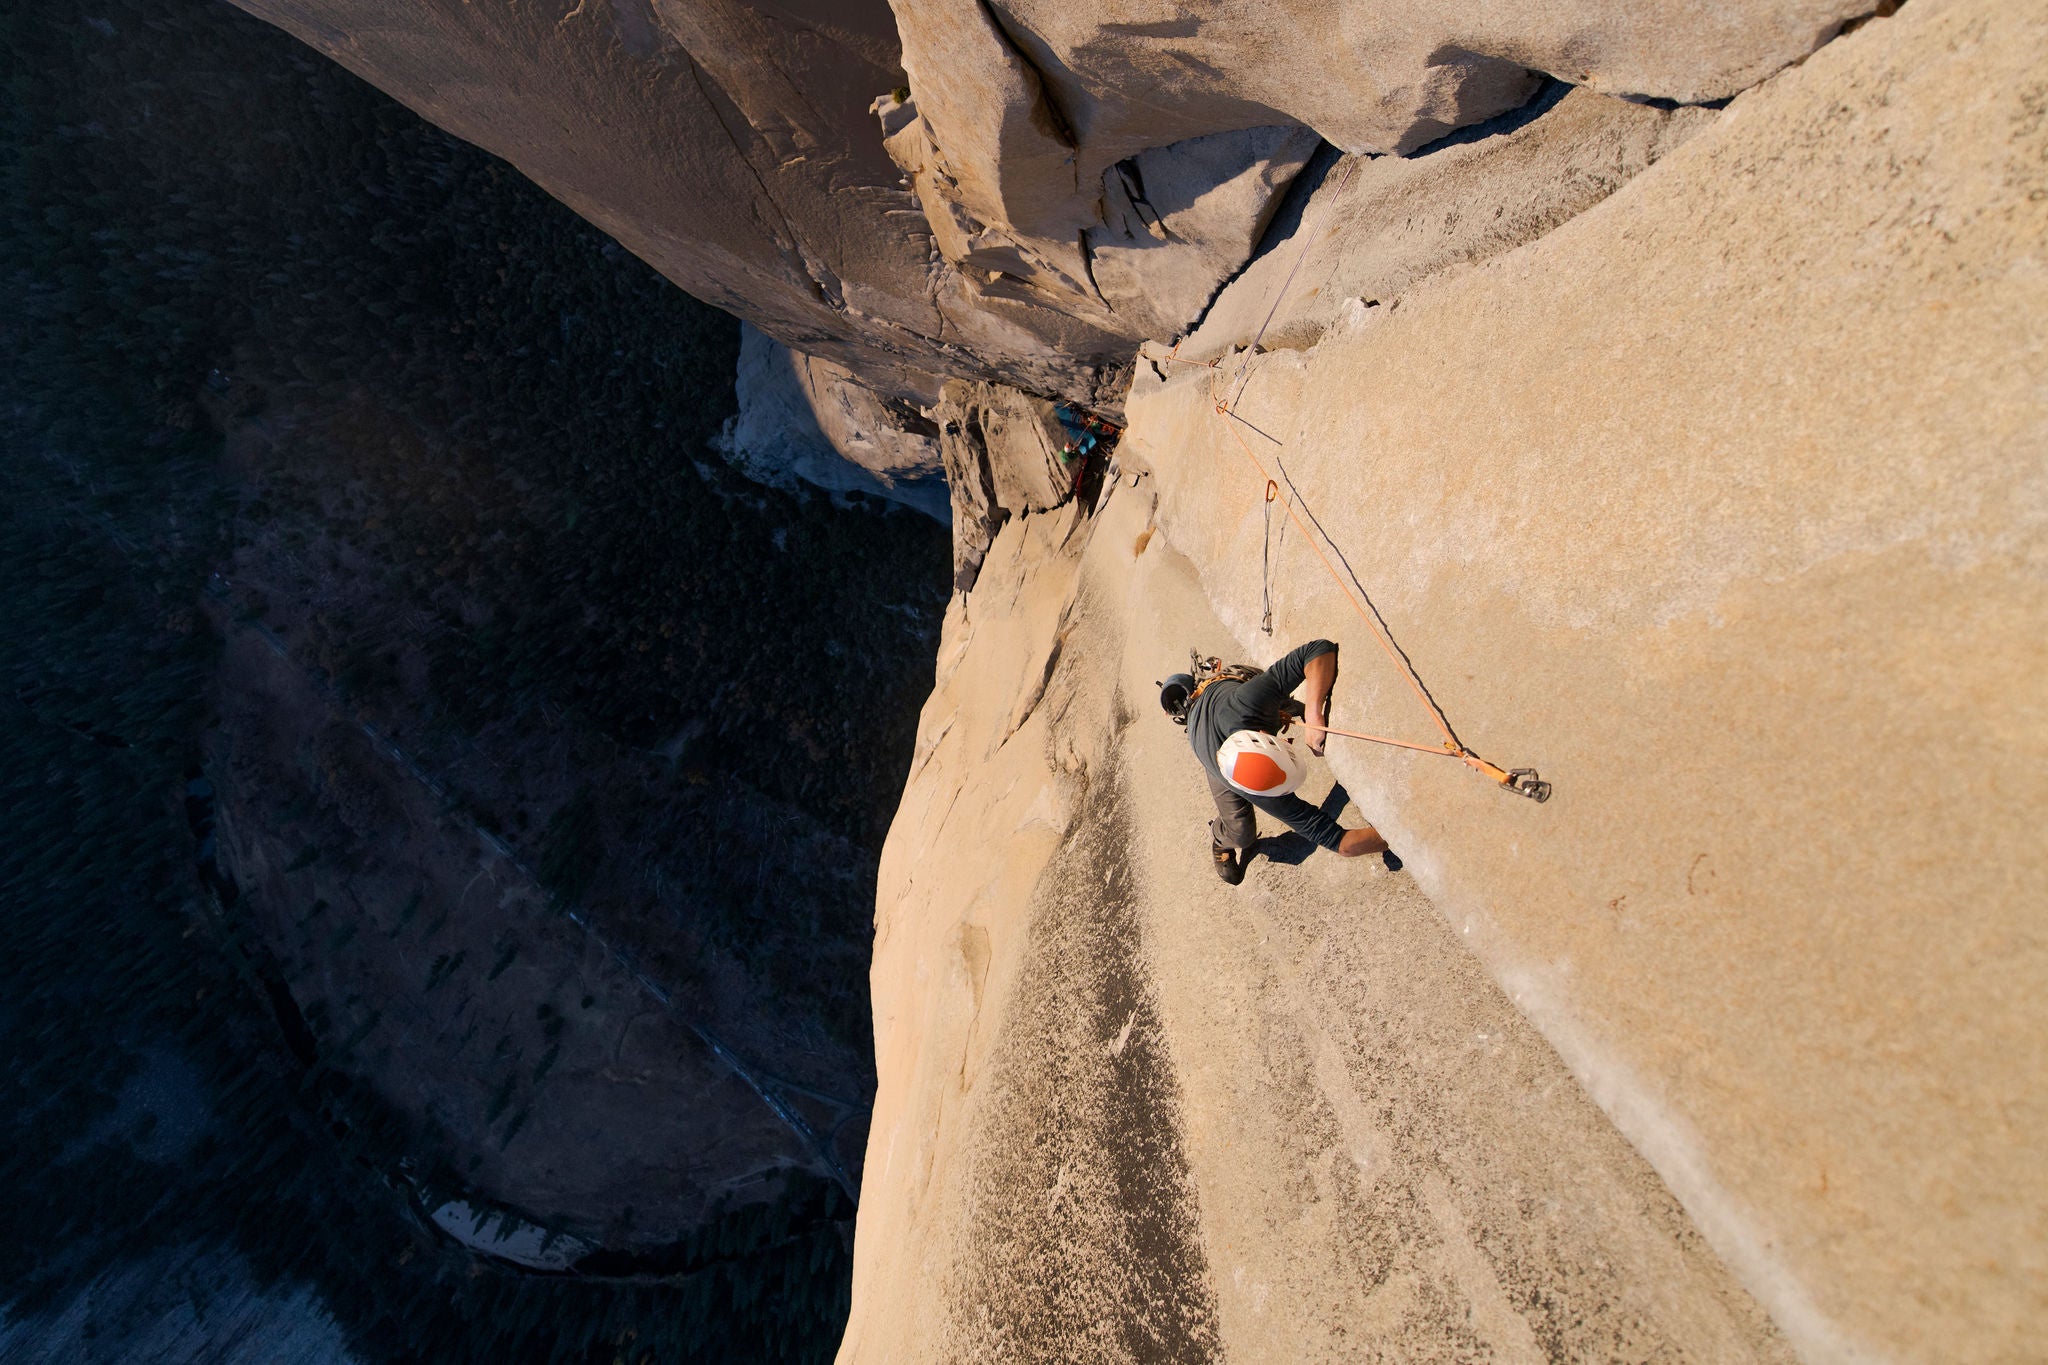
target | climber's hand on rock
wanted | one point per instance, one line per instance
(1356, 843)
(1317, 736)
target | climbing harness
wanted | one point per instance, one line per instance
(1521, 781)
(1208, 669)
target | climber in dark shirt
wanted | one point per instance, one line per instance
(1220, 708)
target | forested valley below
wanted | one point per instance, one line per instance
(433, 778)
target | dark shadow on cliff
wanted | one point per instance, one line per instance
(1547, 95)
(443, 443)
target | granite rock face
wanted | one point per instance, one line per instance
(1128, 1113)
(1695, 456)
(1003, 457)
(1041, 128)
(1178, 220)
(1698, 459)
(1724, 504)
(1375, 226)
(1120, 78)
(803, 420)
(732, 145)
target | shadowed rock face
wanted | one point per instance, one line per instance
(727, 144)
(806, 420)
(1064, 181)
(1696, 457)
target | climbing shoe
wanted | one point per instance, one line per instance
(1227, 864)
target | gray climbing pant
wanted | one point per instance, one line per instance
(1236, 825)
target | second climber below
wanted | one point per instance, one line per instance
(1233, 700)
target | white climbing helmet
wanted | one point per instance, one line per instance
(1259, 764)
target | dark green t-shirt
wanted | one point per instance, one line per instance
(1262, 703)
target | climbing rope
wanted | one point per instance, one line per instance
(1520, 781)
(1266, 559)
(1307, 240)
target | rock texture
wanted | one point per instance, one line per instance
(1723, 504)
(1036, 123)
(1179, 219)
(1376, 225)
(806, 420)
(731, 143)
(1697, 458)
(1113, 80)
(1005, 453)
(1128, 1113)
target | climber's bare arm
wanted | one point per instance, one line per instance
(1320, 673)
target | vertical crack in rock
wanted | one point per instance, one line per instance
(1014, 37)
(1084, 1240)
(824, 283)
(978, 512)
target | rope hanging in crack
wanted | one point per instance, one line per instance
(1520, 781)
(1266, 558)
(1307, 240)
